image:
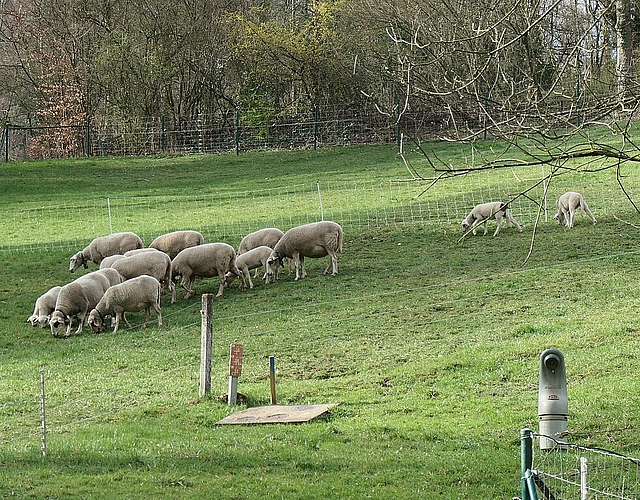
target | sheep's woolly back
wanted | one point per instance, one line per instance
(152, 263)
(107, 261)
(263, 237)
(132, 295)
(173, 243)
(310, 239)
(82, 294)
(204, 260)
(111, 244)
(44, 306)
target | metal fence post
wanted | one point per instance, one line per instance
(237, 133)
(316, 114)
(526, 461)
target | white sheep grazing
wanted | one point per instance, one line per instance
(99, 248)
(268, 236)
(205, 261)
(45, 305)
(173, 243)
(134, 295)
(77, 299)
(107, 261)
(485, 211)
(253, 259)
(315, 240)
(152, 263)
(568, 203)
(114, 277)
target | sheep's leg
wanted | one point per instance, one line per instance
(158, 310)
(296, 261)
(499, 224)
(147, 315)
(513, 222)
(486, 229)
(333, 263)
(117, 325)
(585, 207)
(303, 271)
(221, 287)
(572, 212)
(247, 275)
(187, 284)
(124, 316)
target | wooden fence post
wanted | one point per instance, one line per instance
(205, 344)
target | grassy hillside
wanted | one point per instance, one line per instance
(429, 345)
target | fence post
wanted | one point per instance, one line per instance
(205, 344)
(43, 419)
(163, 134)
(237, 133)
(526, 461)
(6, 143)
(316, 115)
(88, 136)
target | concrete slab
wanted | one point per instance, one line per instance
(278, 414)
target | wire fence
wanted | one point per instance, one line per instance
(571, 471)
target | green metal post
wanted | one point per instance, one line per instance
(526, 461)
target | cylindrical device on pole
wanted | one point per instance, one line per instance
(553, 407)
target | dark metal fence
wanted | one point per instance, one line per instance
(233, 132)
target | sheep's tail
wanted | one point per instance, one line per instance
(340, 237)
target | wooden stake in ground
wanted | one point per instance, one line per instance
(235, 369)
(272, 378)
(206, 338)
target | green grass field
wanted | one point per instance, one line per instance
(430, 346)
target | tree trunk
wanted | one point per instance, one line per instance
(624, 48)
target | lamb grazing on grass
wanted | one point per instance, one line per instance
(45, 305)
(173, 243)
(206, 261)
(99, 248)
(134, 295)
(314, 240)
(253, 259)
(268, 236)
(107, 261)
(484, 212)
(77, 299)
(568, 203)
(152, 263)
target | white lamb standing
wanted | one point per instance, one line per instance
(315, 240)
(568, 203)
(76, 299)
(99, 248)
(152, 263)
(173, 243)
(45, 305)
(253, 259)
(136, 294)
(205, 261)
(485, 211)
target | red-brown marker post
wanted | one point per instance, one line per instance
(235, 369)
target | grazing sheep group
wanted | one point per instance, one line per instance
(132, 277)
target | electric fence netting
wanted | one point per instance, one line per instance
(570, 471)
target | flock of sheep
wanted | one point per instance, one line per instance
(132, 277)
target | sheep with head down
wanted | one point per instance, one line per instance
(76, 299)
(104, 246)
(315, 240)
(253, 259)
(483, 212)
(150, 262)
(173, 243)
(205, 261)
(136, 294)
(45, 305)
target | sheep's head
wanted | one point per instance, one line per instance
(273, 262)
(58, 323)
(96, 321)
(76, 261)
(468, 222)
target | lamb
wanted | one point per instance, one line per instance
(252, 259)
(568, 203)
(45, 305)
(77, 299)
(314, 240)
(136, 294)
(107, 261)
(99, 248)
(114, 277)
(152, 263)
(206, 261)
(173, 243)
(484, 212)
